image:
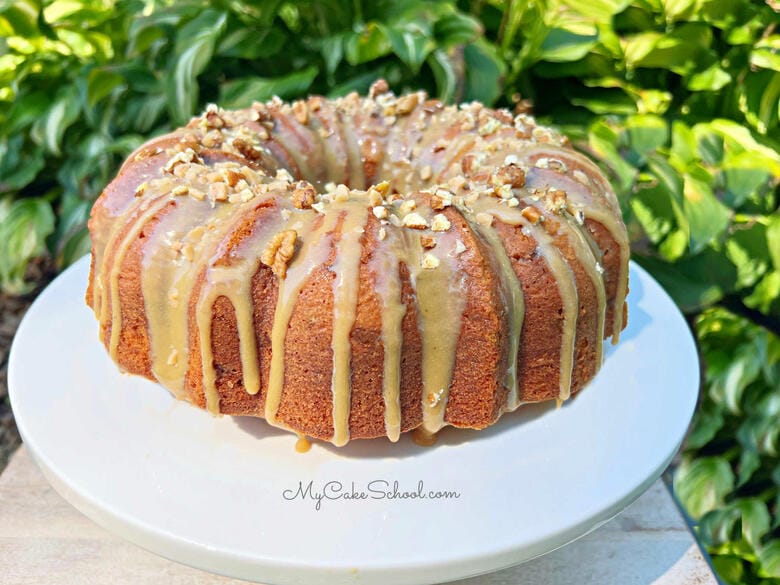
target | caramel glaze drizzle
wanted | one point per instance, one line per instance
(192, 209)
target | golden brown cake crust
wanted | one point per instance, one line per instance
(478, 208)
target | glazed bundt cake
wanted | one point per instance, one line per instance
(360, 267)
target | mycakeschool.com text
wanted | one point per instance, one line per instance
(377, 489)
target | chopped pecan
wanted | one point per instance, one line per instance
(301, 112)
(467, 164)
(440, 223)
(531, 214)
(246, 150)
(556, 200)
(232, 177)
(511, 175)
(415, 221)
(218, 192)
(212, 117)
(429, 261)
(304, 194)
(378, 88)
(440, 200)
(405, 104)
(279, 252)
(427, 242)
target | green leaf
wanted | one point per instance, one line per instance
(607, 101)
(746, 176)
(100, 83)
(706, 424)
(143, 114)
(147, 30)
(603, 140)
(755, 520)
(410, 44)
(769, 557)
(456, 28)
(773, 239)
(24, 226)
(758, 96)
(707, 217)
(647, 133)
(683, 151)
(195, 46)
(710, 144)
(444, 70)
(653, 209)
(561, 45)
(22, 16)
(747, 249)
(719, 526)
(367, 45)
(676, 243)
(749, 463)
(766, 53)
(711, 79)
(598, 10)
(250, 43)
(729, 568)
(765, 293)
(677, 9)
(637, 47)
(18, 165)
(681, 50)
(695, 282)
(240, 93)
(61, 115)
(75, 246)
(332, 49)
(737, 138)
(484, 73)
(702, 484)
(728, 385)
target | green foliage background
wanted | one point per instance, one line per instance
(677, 99)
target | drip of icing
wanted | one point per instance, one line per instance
(564, 278)
(112, 287)
(423, 438)
(166, 280)
(599, 205)
(385, 265)
(440, 301)
(515, 304)
(345, 299)
(302, 445)
(592, 197)
(232, 281)
(584, 249)
(609, 221)
(314, 251)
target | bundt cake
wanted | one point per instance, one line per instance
(360, 267)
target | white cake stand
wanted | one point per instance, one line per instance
(231, 495)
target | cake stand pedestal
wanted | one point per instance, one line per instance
(46, 541)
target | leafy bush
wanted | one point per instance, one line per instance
(729, 477)
(677, 99)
